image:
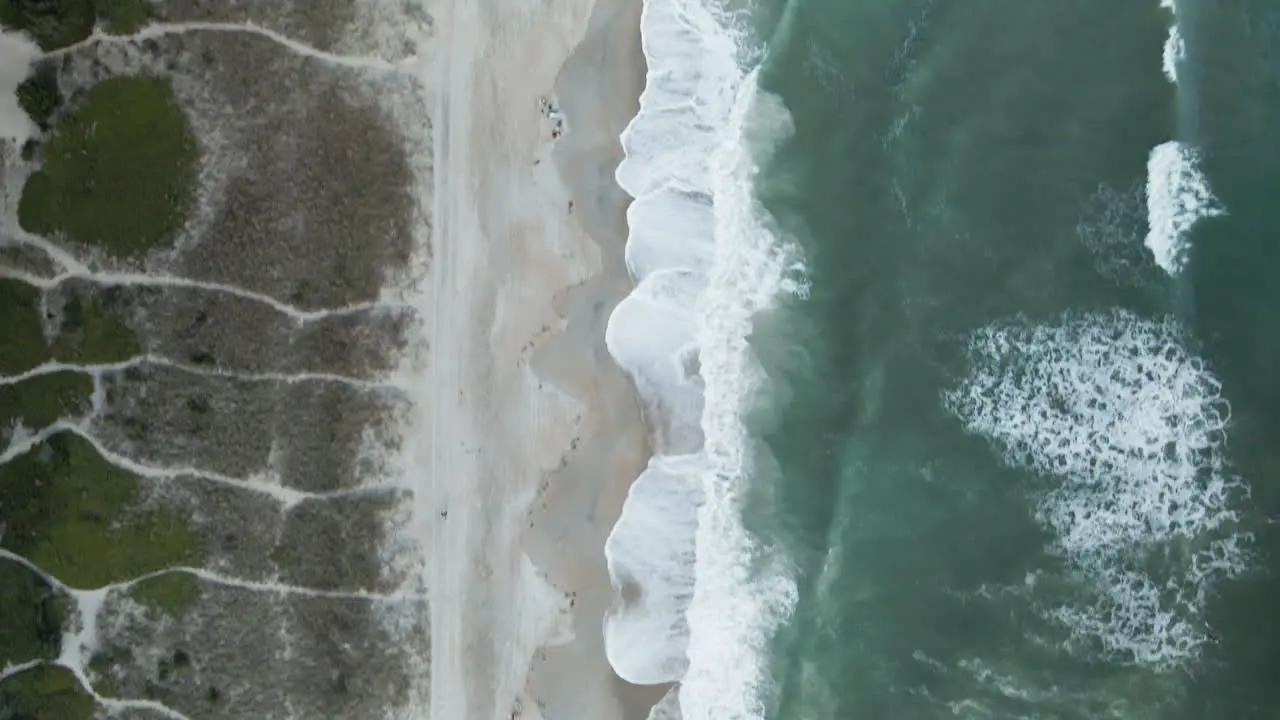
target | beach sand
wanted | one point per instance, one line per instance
(534, 433)
(368, 371)
(16, 53)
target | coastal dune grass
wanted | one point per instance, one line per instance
(45, 692)
(56, 24)
(53, 24)
(123, 17)
(22, 341)
(87, 335)
(119, 170)
(173, 593)
(40, 401)
(34, 617)
(78, 517)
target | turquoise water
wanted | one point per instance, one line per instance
(1022, 470)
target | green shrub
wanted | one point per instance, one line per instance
(75, 516)
(39, 95)
(33, 616)
(45, 692)
(119, 171)
(52, 24)
(173, 594)
(124, 17)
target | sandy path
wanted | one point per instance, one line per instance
(511, 273)
(16, 53)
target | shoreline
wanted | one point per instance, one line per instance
(534, 434)
(599, 89)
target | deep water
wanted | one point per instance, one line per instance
(1022, 470)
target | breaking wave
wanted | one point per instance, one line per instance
(1178, 195)
(688, 608)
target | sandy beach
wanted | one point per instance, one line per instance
(535, 434)
(349, 356)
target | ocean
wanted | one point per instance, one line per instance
(953, 328)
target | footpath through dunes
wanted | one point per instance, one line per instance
(213, 217)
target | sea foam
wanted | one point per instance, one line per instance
(1128, 431)
(1178, 196)
(688, 607)
(1175, 49)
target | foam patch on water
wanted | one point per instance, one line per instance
(1128, 430)
(1111, 225)
(1178, 196)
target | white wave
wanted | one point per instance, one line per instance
(688, 608)
(1178, 195)
(651, 556)
(1131, 430)
(668, 708)
(669, 228)
(1175, 50)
